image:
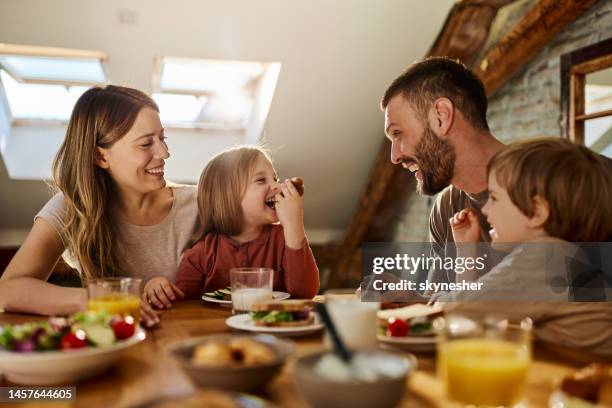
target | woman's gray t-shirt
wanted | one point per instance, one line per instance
(148, 251)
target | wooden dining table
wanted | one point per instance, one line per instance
(145, 374)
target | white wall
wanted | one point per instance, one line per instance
(337, 59)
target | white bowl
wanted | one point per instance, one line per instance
(62, 366)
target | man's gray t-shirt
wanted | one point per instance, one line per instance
(450, 201)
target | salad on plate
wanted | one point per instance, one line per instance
(83, 329)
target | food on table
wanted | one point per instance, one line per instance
(592, 383)
(117, 304)
(286, 313)
(297, 182)
(221, 294)
(413, 320)
(236, 352)
(83, 329)
(487, 372)
(362, 367)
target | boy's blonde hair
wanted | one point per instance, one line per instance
(221, 188)
(574, 181)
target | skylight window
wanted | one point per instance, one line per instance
(217, 94)
(40, 101)
(207, 76)
(53, 69)
(43, 83)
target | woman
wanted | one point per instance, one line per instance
(114, 214)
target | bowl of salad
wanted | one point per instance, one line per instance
(63, 350)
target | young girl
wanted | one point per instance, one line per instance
(241, 203)
(543, 195)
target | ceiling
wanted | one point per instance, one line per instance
(324, 123)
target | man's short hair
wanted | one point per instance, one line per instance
(438, 77)
(575, 181)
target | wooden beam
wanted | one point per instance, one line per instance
(466, 29)
(529, 36)
(389, 186)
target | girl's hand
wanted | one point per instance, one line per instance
(160, 292)
(465, 226)
(290, 212)
(148, 317)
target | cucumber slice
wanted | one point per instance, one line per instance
(99, 335)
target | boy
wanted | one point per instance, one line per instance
(542, 194)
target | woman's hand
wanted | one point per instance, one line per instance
(465, 226)
(160, 292)
(290, 212)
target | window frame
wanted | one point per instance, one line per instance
(575, 66)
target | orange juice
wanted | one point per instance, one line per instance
(121, 304)
(484, 372)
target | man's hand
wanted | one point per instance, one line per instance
(160, 292)
(290, 212)
(465, 226)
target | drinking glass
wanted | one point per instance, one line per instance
(483, 361)
(116, 296)
(250, 286)
(354, 320)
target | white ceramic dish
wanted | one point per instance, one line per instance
(244, 322)
(412, 343)
(276, 295)
(63, 366)
(559, 399)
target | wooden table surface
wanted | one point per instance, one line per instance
(144, 373)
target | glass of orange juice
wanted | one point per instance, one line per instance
(116, 296)
(483, 362)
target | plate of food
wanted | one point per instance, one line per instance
(64, 350)
(409, 327)
(224, 296)
(589, 387)
(287, 318)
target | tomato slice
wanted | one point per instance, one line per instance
(397, 327)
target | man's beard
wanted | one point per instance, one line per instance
(436, 159)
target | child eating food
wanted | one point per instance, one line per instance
(543, 195)
(247, 218)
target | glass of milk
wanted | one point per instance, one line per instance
(250, 286)
(355, 320)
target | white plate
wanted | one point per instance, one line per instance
(414, 343)
(276, 295)
(63, 366)
(559, 399)
(244, 322)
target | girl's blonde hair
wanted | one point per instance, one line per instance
(221, 188)
(101, 116)
(575, 181)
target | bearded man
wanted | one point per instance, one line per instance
(435, 117)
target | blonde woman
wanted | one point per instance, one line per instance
(114, 214)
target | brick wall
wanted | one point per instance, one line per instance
(527, 106)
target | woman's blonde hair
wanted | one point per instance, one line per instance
(101, 116)
(575, 181)
(221, 188)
